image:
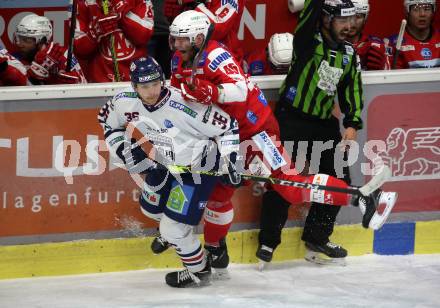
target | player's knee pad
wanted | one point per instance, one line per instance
(217, 219)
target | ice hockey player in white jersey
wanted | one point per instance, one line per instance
(182, 133)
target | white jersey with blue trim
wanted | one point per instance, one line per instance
(180, 131)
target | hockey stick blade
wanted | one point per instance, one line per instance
(376, 181)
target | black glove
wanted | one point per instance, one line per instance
(233, 177)
(135, 159)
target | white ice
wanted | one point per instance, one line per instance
(368, 281)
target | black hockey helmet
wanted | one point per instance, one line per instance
(146, 69)
(339, 8)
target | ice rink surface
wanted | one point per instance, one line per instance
(368, 281)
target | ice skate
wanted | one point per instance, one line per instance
(187, 279)
(369, 205)
(159, 245)
(325, 254)
(264, 255)
(219, 260)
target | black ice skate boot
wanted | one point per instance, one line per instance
(159, 245)
(264, 254)
(219, 259)
(328, 253)
(187, 279)
(368, 205)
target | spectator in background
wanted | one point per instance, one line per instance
(275, 59)
(46, 61)
(371, 49)
(158, 44)
(225, 15)
(421, 42)
(12, 71)
(110, 34)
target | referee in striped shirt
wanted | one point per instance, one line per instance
(324, 66)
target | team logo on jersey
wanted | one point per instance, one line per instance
(252, 117)
(345, 59)
(168, 123)
(426, 53)
(257, 67)
(218, 60)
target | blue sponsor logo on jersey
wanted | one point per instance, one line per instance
(256, 68)
(174, 64)
(217, 61)
(252, 117)
(262, 99)
(233, 3)
(291, 93)
(345, 60)
(426, 53)
(202, 204)
(168, 123)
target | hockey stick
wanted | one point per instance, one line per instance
(112, 44)
(71, 35)
(199, 54)
(376, 181)
(399, 43)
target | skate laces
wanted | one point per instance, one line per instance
(187, 275)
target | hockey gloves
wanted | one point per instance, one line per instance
(123, 6)
(135, 159)
(376, 57)
(201, 91)
(103, 26)
(47, 59)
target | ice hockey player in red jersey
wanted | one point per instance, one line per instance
(370, 49)
(126, 30)
(219, 80)
(12, 71)
(275, 59)
(45, 60)
(421, 42)
(224, 14)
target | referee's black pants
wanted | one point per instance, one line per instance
(296, 126)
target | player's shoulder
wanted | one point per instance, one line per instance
(188, 109)
(217, 53)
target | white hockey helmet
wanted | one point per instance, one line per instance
(35, 26)
(362, 6)
(408, 3)
(190, 24)
(295, 5)
(280, 50)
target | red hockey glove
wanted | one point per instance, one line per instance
(201, 91)
(122, 7)
(103, 26)
(376, 57)
(46, 60)
(68, 77)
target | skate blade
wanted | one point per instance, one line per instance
(389, 200)
(262, 265)
(322, 259)
(220, 274)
